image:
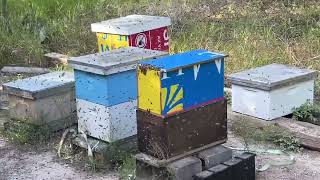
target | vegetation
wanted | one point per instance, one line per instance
(24, 133)
(253, 33)
(254, 132)
(308, 112)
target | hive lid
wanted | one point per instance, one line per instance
(271, 76)
(131, 24)
(114, 61)
(41, 86)
(177, 61)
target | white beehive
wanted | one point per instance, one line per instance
(271, 91)
(106, 91)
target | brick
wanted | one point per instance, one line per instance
(185, 169)
(214, 156)
(248, 166)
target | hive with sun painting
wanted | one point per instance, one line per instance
(180, 82)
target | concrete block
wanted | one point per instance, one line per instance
(214, 156)
(248, 166)
(185, 169)
(204, 175)
(145, 171)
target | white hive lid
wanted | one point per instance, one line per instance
(41, 86)
(271, 76)
(115, 61)
(131, 24)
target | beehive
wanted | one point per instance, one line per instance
(46, 99)
(181, 105)
(271, 91)
(149, 32)
(106, 91)
(180, 82)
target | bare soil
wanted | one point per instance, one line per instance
(24, 162)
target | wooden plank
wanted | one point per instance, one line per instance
(162, 163)
(129, 144)
(56, 58)
(27, 70)
(309, 134)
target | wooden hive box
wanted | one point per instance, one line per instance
(47, 99)
(181, 103)
(106, 91)
(149, 32)
(271, 91)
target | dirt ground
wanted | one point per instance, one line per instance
(19, 163)
(24, 163)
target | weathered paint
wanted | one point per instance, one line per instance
(47, 99)
(190, 80)
(106, 90)
(271, 91)
(269, 105)
(107, 42)
(41, 86)
(149, 90)
(148, 32)
(110, 123)
(157, 39)
(165, 137)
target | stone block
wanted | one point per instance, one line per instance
(214, 156)
(185, 169)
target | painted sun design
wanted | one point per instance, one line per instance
(172, 99)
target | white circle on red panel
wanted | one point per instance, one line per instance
(141, 40)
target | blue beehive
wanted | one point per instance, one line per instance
(180, 82)
(106, 91)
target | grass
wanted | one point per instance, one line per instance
(21, 132)
(254, 132)
(253, 33)
(308, 112)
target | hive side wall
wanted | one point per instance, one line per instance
(149, 90)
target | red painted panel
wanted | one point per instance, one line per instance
(156, 39)
(160, 39)
(141, 40)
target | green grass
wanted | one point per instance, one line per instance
(21, 132)
(257, 133)
(253, 33)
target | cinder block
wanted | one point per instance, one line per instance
(248, 166)
(185, 169)
(235, 167)
(145, 171)
(242, 167)
(214, 156)
(204, 175)
(221, 172)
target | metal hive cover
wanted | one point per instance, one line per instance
(271, 76)
(181, 60)
(131, 24)
(114, 61)
(41, 86)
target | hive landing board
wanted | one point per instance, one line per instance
(180, 82)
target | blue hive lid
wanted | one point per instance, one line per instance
(177, 61)
(41, 86)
